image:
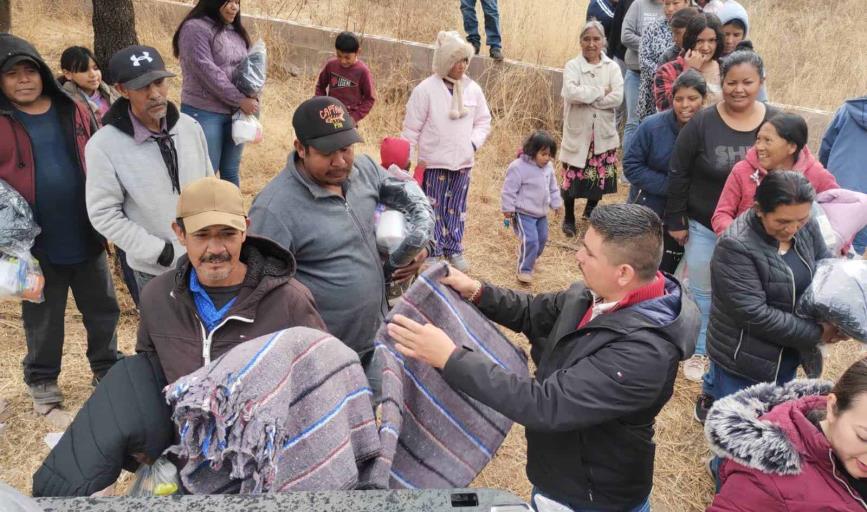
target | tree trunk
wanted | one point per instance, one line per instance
(113, 30)
(5, 15)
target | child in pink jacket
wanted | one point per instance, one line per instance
(781, 144)
(447, 121)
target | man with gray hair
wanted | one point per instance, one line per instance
(606, 353)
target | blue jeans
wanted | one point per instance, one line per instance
(697, 253)
(533, 232)
(630, 90)
(225, 155)
(492, 22)
(643, 507)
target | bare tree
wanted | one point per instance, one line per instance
(113, 29)
(5, 15)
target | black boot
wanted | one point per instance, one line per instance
(568, 216)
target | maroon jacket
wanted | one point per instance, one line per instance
(17, 166)
(778, 460)
(353, 86)
(270, 299)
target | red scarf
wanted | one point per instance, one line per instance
(652, 290)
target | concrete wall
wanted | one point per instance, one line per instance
(309, 46)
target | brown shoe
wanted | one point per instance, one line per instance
(525, 277)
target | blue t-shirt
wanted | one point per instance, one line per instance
(60, 208)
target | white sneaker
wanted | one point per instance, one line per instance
(694, 368)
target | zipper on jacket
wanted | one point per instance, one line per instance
(738, 348)
(375, 255)
(834, 470)
(207, 338)
(792, 277)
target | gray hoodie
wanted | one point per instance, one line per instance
(640, 14)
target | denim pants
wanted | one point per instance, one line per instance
(225, 155)
(533, 233)
(697, 253)
(630, 91)
(93, 291)
(492, 22)
(558, 507)
(128, 274)
(142, 279)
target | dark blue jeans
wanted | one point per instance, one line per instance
(533, 232)
(492, 22)
(225, 155)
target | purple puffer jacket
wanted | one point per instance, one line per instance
(208, 57)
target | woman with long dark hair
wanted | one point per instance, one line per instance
(210, 42)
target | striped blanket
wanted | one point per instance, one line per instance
(434, 436)
(289, 411)
(292, 410)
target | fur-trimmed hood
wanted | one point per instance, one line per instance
(738, 427)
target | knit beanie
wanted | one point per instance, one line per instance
(394, 151)
(449, 49)
(732, 10)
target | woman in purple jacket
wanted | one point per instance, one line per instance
(210, 43)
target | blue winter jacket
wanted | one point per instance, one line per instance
(844, 152)
(647, 161)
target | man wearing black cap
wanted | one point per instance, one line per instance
(42, 137)
(321, 208)
(139, 161)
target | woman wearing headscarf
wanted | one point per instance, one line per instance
(447, 121)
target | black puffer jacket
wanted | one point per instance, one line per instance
(752, 314)
(126, 414)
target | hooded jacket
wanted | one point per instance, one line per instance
(752, 314)
(590, 409)
(106, 91)
(126, 414)
(646, 162)
(17, 165)
(844, 151)
(270, 299)
(738, 194)
(777, 460)
(131, 197)
(530, 189)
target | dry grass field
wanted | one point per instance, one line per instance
(812, 61)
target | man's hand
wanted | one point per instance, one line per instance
(681, 236)
(404, 273)
(461, 283)
(426, 343)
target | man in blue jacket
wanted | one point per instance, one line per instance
(844, 151)
(606, 353)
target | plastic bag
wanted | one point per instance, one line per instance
(838, 295)
(833, 241)
(21, 278)
(249, 76)
(158, 479)
(407, 197)
(18, 229)
(246, 129)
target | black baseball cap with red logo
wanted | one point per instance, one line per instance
(324, 123)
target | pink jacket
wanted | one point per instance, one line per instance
(738, 194)
(439, 141)
(786, 463)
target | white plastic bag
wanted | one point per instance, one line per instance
(246, 129)
(21, 278)
(158, 479)
(390, 230)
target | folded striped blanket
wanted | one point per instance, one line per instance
(289, 411)
(434, 436)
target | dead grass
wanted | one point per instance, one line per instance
(680, 481)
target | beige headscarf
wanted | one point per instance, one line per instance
(450, 48)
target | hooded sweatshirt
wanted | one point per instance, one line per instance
(738, 194)
(530, 189)
(776, 458)
(844, 152)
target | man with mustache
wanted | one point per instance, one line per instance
(42, 137)
(230, 286)
(140, 160)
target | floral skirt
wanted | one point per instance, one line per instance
(597, 178)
